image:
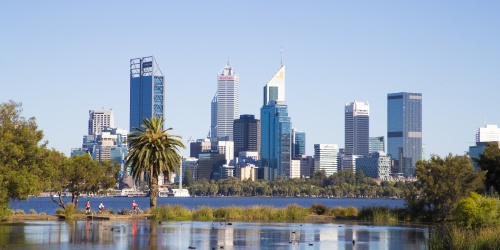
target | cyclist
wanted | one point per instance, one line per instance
(87, 207)
(102, 208)
(135, 207)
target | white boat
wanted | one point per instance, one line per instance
(179, 193)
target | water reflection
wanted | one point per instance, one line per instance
(143, 234)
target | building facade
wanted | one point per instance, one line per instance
(275, 88)
(488, 133)
(146, 90)
(377, 165)
(275, 140)
(357, 128)
(100, 120)
(225, 105)
(377, 144)
(404, 131)
(246, 134)
(299, 143)
(325, 158)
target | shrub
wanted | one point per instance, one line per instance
(476, 211)
(294, 212)
(454, 237)
(377, 214)
(171, 212)
(69, 210)
(19, 211)
(43, 213)
(319, 209)
(111, 212)
(32, 211)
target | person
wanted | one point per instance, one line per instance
(101, 207)
(135, 206)
(87, 207)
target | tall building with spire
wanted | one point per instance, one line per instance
(225, 105)
(275, 88)
(146, 90)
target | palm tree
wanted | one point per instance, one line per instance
(153, 151)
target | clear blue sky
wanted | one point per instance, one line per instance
(63, 58)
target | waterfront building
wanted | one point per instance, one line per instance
(325, 158)
(225, 105)
(357, 128)
(376, 165)
(295, 168)
(349, 162)
(404, 131)
(299, 143)
(246, 134)
(100, 120)
(377, 144)
(146, 90)
(275, 140)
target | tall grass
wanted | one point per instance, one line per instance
(454, 237)
(176, 212)
(69, 211)
(344, 213)
(378, 214)
(253, 213)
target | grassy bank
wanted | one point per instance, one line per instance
(454, 237)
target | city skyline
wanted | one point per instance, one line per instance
(60, 61)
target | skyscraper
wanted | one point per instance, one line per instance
(275, 140)
(275, 88)
(377, 144)
(404, 131)
(488, 133)
(146, 90)
(225, 105)
(246, 134)
(357, 128)
(299, 143)
(100, 120)
(325, 158)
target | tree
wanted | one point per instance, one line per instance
(476, 211)
(80, 174)
(188, 179)
(446, 181)
(153, 151)
(21, 152)
(489, 161)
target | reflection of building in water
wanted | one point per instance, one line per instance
(330, 234)
(248, 238)
(225, 235)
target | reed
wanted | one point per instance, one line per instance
(378, 214)
(340, 212)
(176, 212)
(204, 213)
(455, 237)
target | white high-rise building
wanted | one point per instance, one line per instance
(488, 133)
(325, 158)
(100, 120)
(275, 88)
(225, 104)
(357, 126)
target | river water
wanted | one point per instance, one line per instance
(46, 205)
(147, 234)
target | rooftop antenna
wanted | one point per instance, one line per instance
(227, 60)
(281, 56)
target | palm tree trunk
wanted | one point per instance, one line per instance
(153, 190)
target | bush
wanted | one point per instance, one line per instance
(454, 237)
(111, 212)
(476, 211)
(319, 209)
(32, 211)
(378, 214)
(171, 212)
(43, 213)
(19, 211)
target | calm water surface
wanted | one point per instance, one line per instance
(144, 234)
(44, 204)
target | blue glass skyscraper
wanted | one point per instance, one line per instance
(146, 90)
(275, 140)
(299, 143)
(404, 131)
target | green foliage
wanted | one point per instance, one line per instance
(443, 182)
(19, 212)
(378, 214)
(188, 179)
(455, 237)
(21, 152)
(204, 213)
(171, 212)
(153, 151)
(489, 161)
(340, 212)
(319, 209)
(476, 212)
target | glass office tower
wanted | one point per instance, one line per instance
(225, 105)
(357, 128)
(404, 131)
(275, 140)
(299, 143)
(146, 90)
